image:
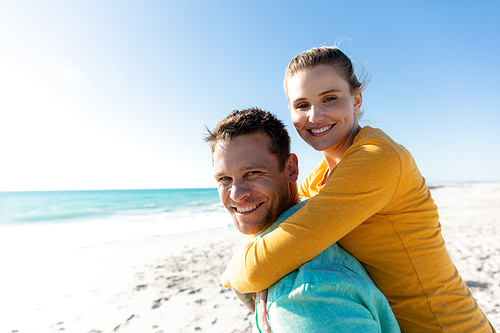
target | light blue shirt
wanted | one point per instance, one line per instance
(330, 293)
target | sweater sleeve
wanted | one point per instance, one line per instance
(303, 188)
(309, 186)
(361, 185)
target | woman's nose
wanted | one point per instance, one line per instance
(315, 114)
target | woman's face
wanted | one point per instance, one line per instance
(323, 110)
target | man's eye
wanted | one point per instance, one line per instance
(224, 179)
(253, 173)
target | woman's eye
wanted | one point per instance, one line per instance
(301, 106)
(330, 98)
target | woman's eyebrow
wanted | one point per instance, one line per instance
(320, 94)
(329, 92)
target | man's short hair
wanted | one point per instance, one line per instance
(252, 121)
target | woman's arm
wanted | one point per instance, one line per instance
(361, 185)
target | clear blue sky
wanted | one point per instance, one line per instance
(116, 94)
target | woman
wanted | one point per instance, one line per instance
(367, 195)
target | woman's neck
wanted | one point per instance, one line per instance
(334, 155)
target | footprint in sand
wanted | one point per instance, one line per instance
(158, 302)
(141, 287)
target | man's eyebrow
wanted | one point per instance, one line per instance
(218, 174)
(254, 166)
(251, 167)
(244, 168)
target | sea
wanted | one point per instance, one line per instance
(68, 220)
(57, 244)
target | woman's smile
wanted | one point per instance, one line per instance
(320, 131)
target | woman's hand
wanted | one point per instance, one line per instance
(262, 301)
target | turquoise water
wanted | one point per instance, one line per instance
(17, 207)
(69, 219)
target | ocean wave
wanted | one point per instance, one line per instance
(102, 230)
(59, 216)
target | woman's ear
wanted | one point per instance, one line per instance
(358, 100)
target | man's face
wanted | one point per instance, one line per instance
(250, 184)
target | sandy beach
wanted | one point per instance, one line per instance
(172, 284)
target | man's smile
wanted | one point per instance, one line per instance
(247, 208)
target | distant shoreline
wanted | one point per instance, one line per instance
(432, 184)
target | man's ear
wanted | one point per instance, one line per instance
(292, 168)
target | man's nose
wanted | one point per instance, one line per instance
(240, 190)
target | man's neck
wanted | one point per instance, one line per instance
(293, 199)
(283, 216)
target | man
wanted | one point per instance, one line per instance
(256, 176)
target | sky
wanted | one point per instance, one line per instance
(116, 94)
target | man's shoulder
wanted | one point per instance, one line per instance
(334, 272)
(333, 263)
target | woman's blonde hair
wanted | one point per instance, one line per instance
(327, 55)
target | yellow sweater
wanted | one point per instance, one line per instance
(376, 205)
